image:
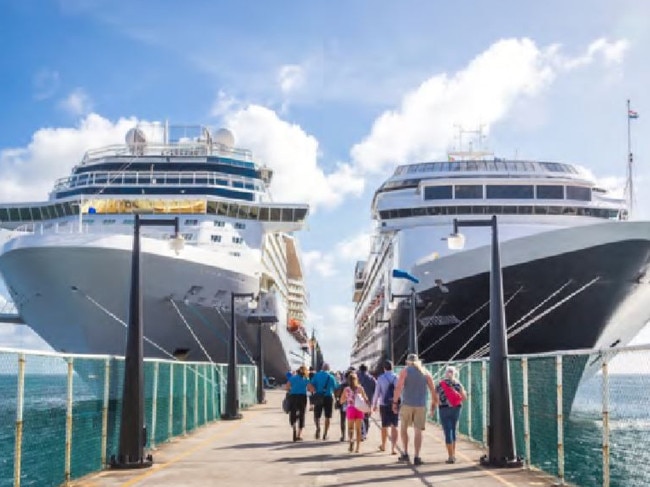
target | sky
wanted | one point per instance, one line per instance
(331, 94)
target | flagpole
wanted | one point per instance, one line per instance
(630, 159)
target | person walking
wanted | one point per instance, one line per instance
(369, 384)
(324, 384)
(451, 395)
(342, 407)
(297, 386)
(354, 415)
(383, 398)
(412, 387)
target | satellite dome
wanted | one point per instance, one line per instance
(225, 138)
(135, 139)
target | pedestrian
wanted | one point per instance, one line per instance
(354, 397)
(369, 384)
(383, 398)
(412, 387)
(339, 405)
(297, 386)
(451, 395)
(324, 384)
(310, 397)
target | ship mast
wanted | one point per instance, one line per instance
(629, 183)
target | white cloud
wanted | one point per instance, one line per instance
(484, 93)
(335, 333)
(317, 262)
(27, 173)
(293, 155)
(45, 83)
(291, 77)
(77, 103)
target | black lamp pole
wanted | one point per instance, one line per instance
(132, 423)
(313, 350)
(232, 391)
(501, 440)
(390, 338)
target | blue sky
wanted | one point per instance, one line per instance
(331, 94)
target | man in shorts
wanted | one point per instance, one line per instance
(324, 384)
(383, 399)
(412, 387)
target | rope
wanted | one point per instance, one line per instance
(237, 339)
(189, 328)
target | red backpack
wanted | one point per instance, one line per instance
(454, 397)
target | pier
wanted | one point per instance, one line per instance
(258, 450)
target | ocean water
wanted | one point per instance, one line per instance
(45, 413)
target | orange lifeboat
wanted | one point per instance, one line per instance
(293, 325)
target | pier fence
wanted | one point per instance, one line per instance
(60, 413)
(582, 416)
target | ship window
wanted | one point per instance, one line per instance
(237, 240)
(70, 208)
(254, 212)
(201, 180)
(264, 214)
(215, 238)
(222, 209)
(212, 207)
(509, 191)
(144, 179)
(36, 213)
(14, 215)
(578, 193)
(4, 215)
(188, 236)
(233, 210)
(25, 215)
(437, 193)
(108, 222)
(221, 182)
(468, 191)
(187, 180)
(541, 210)
(276, 214)
(128, 221)
(419, 211)
(130, 179)
(218, 223)
(235, 254)
(287, 214)
(240, 226)
(433, 210)
(550, 192)
(191, 222)
(59, 209)
(554, 210)
(300, 214)
(172, 178)
(525, 210)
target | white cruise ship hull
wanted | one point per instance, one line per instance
(73, 290)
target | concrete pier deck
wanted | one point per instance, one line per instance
(258, 450)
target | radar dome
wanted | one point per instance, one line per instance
(135, 138)
(225, 138)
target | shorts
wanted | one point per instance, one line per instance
(388, 417)
(326, 407)
(353, 413)
(415, 416)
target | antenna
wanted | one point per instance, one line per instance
(629, 183)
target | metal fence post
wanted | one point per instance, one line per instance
(68, 422)
(170, 419)
(560, 420)
(605, 392)
(214, 392)
(526, 409)
(205, 394)
(20, 401)
(107, 384)
(196, 396)
(484, 400)
(184, 399)
(469, 400)
(154, 406)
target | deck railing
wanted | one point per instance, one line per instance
(582, 416)
(60, 413)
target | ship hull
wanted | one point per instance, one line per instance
(76, 297)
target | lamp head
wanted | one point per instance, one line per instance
(456, 241)
(252, 304)
(177, 243)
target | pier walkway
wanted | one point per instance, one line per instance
(258, 450)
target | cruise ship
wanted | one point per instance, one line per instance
(576, 270)
(66, 261)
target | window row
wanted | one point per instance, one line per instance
(38, 213)
(500, 165)
(611, 214)
(507, 191)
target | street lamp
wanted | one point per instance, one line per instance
(390, 337)
(232, 390)
(413, 336)
(312, 345)
(132, 424)
(260, 320)
(501, 440)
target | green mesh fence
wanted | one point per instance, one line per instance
(179, 397)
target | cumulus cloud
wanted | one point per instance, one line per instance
(335, 333)
(27, 173)
(293, 155)
(319, 263)
(344, 254)
(483, 92)
(45, 83)
(291, 77)
(77, 103)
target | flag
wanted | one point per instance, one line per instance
(632, 114)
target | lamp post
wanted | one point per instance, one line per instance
(132, 423)
(501, 440)
(413, 336)
(390, 338)
(260, 319)
(232, 388)
(312, 344)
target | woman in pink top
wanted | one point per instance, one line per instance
(352, 414)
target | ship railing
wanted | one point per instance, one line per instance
(61, 411)
(180, 149)
(579, 415)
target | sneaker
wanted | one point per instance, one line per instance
(404, 458)
(295, 433)
(342, 438)
(450, 460)
(417, 461)
(317, 433)
(325, 437)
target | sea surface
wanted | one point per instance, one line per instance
(44, 431)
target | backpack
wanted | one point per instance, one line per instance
(454, 397)
(390, 391)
